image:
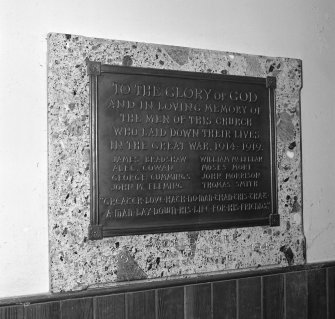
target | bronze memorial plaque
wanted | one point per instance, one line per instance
(176, 151)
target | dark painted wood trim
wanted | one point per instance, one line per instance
(134, 286)
(296, 295)
(317, 294)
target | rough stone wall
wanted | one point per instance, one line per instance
(77, 263)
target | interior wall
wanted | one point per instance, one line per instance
(300, 29)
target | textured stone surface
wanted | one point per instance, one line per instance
(77, 263)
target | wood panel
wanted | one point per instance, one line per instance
(49, 310)
(224, 299)
(249, 298)
(110, 307)
(140, 305)
(331, 292)
(309, 291)
(317, 299)
(273, 297)
(296, 295)
(170, 303)
(77, 309)
(12, 312)
(198, 302)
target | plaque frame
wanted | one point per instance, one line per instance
(98, 231)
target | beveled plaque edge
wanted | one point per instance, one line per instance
(110, 231)
(133, 70)
(271, 84)
(93, 70)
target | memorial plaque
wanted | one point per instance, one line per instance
(176, 151)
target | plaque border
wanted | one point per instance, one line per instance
(96, 230)
(271, 84)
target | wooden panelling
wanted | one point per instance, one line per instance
(317, 299)
(13, 312)
(49, 310)
(249, 298)
(141, 305)
(224, 299)
(170, 303)
(198, 302)
(77, 309)
(110, 307)
(273, 297)
(331, 292)
(296, 295)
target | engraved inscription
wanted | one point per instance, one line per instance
(173, 152)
